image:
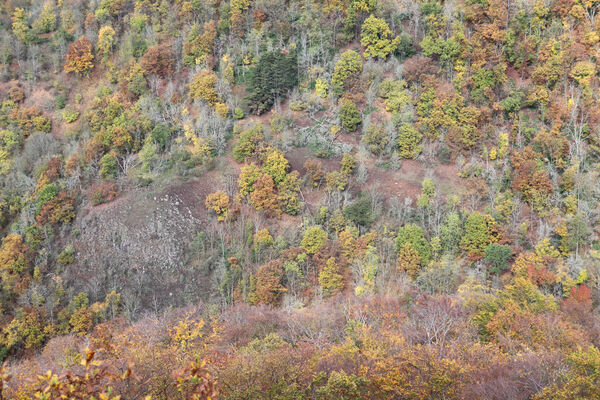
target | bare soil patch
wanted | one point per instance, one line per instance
(406, 182)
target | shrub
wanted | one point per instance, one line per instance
(67, 256)
(264, 197)
(376, 138)
(360, 212)
(203, 87)
(248, 143)
(376, 37)
(70, 115)
(268, 283)
(221, 109)
(348, 164)
(16, 94)
(61, 101)
(238, 113)
(219, 203)
(346, 71)
(408, 141)
(248, 177)
(321, 88)
(109, 167)
(477, 235)
(349, 115)
(330, 279)
(42, 124)
(414, 235)
(314, 238)
(104, 192)
(497, 255)
(276, 166)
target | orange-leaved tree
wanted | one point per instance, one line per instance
(268, 283)
(80, 57)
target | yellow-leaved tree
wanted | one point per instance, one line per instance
(106, 40)
(80, 57)
(376, 37)
(219, 203)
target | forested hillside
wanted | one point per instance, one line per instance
(299, 199)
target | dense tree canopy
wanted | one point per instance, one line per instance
(274, 75)
(291, 199)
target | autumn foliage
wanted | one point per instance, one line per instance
(159, 60)
(219, 203)
(292, 199)
(80, 57)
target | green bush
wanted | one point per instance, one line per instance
(275, 74)
(61, 101)
(69, 115)
(406, 47)
(408, 141)
(109, 167)
(138, 84)
(138, 45)
(314, 238)
(161, 135)
(350, 116)
(346, 71)
(414, 235)
(238, 113)
(497, 255)
(376, 138)
(67, 256)
(248, 142)
(47, 193)
(298, 106)
(513, 102)
(360, 212)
